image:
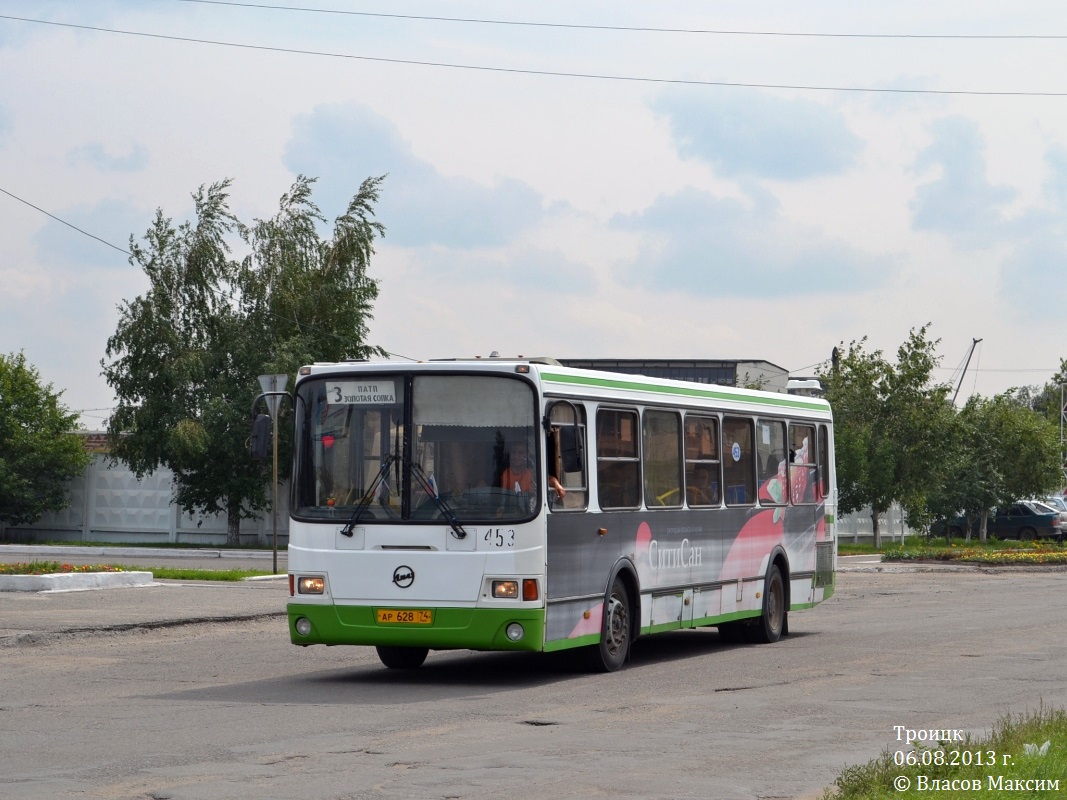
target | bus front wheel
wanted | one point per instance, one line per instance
(610, 653)
(402, 657)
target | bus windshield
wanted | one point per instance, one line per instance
(413, 448)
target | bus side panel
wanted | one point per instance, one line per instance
(715, 559)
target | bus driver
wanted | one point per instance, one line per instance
(519, 477)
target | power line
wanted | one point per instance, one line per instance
(544, 73)
(216, 292)
(64, 222)
(631, 28)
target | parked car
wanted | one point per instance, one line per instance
(1057, 503)
(1023, 520)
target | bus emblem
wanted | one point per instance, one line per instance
(403, 576)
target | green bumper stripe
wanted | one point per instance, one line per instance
(452, 628)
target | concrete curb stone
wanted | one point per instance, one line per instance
(73, 581)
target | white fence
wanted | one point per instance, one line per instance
(858, 526)
(109, 504)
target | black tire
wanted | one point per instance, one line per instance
(956, 532)
(1027, 534)
(772, 622)
(616, 632)
(402, 657)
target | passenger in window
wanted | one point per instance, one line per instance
(553, 460)
(518, 476)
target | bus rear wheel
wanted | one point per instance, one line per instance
(611, 652)
(402, 657)
(771, 624)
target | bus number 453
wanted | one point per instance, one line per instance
(500, 537)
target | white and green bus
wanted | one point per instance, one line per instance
(493, 504)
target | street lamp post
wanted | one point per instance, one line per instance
(273, 390)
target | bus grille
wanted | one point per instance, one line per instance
(824, 563)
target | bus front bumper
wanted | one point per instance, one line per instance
(451, 628)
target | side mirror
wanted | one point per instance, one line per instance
(259, 445)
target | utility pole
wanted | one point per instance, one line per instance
(974, 344)
(1063, 431)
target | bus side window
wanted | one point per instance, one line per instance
(702, 479)
(618, 459)
(663, 459)
(565, 456)
(802, 464)
(771, 458)
(739, 461)
(824, 462)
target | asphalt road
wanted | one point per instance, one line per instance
(192, 691)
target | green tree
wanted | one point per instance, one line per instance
(186, 355)
(889, 422)
(39, 451)
(1027, 447)
(973, 477)
(1001, 451)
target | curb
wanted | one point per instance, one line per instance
(73, 581)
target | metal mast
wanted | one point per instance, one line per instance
(974, 344)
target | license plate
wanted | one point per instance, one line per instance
(405, 616)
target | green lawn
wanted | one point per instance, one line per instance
(162, 573)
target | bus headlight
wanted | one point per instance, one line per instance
(514, 631)
(311, 584)
(303, 626)
(506, 590)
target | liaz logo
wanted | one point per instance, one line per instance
(403, 576)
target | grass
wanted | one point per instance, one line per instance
(184, 574)
(161, 573)
(856, 549)
(154, 545)
(1005, 766)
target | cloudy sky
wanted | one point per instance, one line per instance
(685, 178)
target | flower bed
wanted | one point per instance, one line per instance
(52, 567)
(1029, 554)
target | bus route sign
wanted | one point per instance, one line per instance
(360, 393)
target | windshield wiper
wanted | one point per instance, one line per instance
(368, 496)
(440, 502)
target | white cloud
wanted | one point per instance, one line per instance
(343, 145)
(752, 133)
(960, 201)
(697, 243)
(95, 154)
